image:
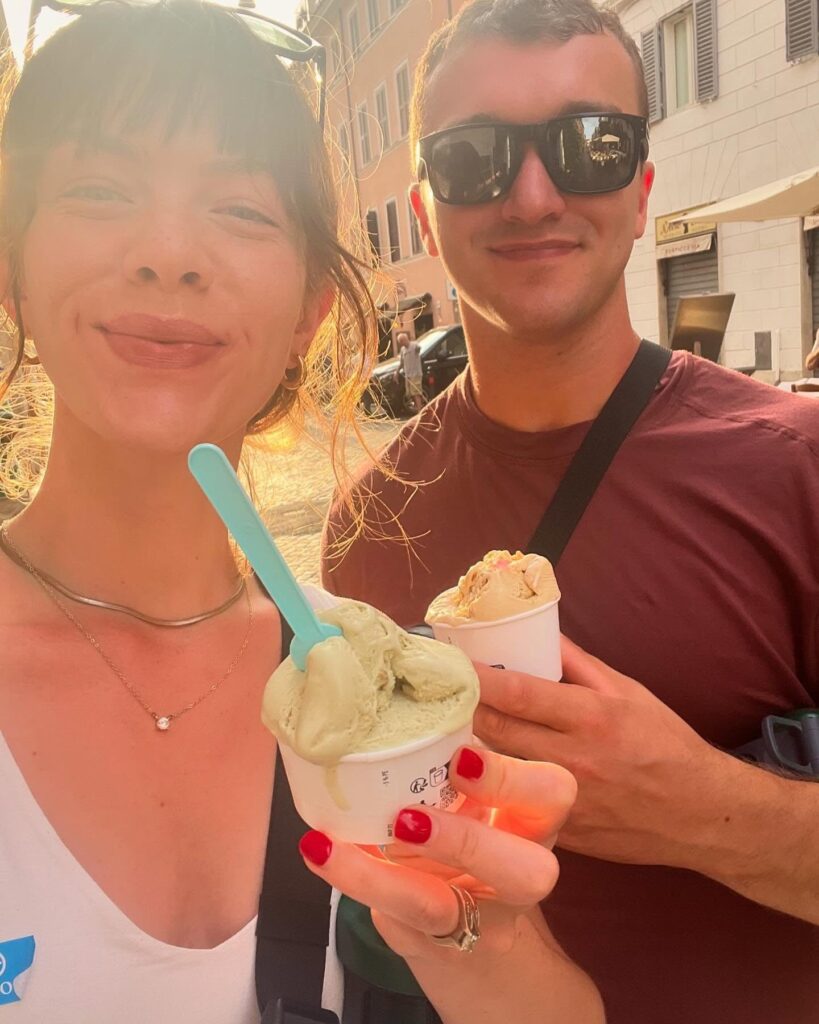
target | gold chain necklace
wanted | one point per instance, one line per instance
(17, 556)
(162, 722)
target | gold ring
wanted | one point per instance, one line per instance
(464, 936)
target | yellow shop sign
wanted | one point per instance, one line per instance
(666, 230)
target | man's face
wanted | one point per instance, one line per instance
(534, 261)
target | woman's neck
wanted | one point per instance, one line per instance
(130, 527)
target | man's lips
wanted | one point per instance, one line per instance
(169, 330)
(545, 245)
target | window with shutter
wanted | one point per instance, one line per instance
(415, 234)
(678, 60)
(652, 50)
(393, 235)
(373, 233)
(382, 115)
(402, 86)
(801, 28)
(364, 135)
(706, 74)
(373, 16)
(354, 32)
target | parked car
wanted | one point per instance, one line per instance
(443, 353)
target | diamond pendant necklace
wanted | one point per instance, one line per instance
(162, 722)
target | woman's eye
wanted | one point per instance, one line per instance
(96, 193)
(248, 213)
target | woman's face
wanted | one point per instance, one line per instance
(164, 287)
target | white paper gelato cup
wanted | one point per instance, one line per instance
(528, 642)
(375, 786)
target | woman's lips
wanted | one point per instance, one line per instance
(160, 342)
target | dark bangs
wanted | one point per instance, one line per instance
(120, 70)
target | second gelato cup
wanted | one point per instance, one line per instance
(528, 642)
(357, 799)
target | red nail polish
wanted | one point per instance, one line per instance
(413, 826)
(315, 847)
(470, 765)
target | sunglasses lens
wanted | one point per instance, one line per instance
(278, 35)
(470, 164)
(591, 154)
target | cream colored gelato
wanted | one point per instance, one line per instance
(375, 687)
(497, 587)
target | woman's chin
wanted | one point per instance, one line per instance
(163, 435)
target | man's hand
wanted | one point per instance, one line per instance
(645, 778)
(650, 790)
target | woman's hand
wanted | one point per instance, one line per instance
(507, 866)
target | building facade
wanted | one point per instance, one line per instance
(734, 96)
(373, 47)
(734, 92)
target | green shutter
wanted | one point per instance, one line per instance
(801, 28)
(706, 73)
(651, 44)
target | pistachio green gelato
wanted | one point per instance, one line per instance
(376, 687)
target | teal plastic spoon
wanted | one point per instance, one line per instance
(216, 477)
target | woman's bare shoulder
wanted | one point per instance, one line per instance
(18, 598)
(26, 640)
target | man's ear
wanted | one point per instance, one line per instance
(317, 307)
(423, 218)
(647, 175)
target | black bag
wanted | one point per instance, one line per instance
(294, 908)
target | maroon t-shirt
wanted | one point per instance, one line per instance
(695, 569)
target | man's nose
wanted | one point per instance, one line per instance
(533, 195)
(166, 251)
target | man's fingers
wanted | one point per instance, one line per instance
(518, 738)
(527, 697)
(584, 670)
(574, 704)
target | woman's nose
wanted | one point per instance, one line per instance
(533, 196)
(167, 253)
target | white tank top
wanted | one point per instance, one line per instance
(91, 964)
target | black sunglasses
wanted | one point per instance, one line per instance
(584, 154)
(284, 41)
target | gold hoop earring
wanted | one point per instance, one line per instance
(293, 379)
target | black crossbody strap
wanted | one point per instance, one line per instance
(600, 445)
(293, 926)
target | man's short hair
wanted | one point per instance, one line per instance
(518, 21)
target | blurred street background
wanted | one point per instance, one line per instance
(294, 489)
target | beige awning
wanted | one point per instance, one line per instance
(794, 196)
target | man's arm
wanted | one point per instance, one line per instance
(651, 790)
(757, 833)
